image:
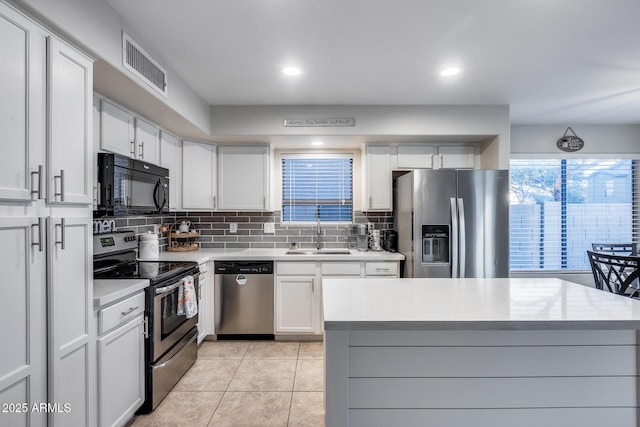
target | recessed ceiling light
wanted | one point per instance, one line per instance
(317, 143)
(448, 72)
(291, 71)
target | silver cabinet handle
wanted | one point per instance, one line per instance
(61, 193)
(141, 149)
(62, 239)
(39, 190)
(214, 202)
(264, 203)
(441, 160)
(131, 310)
(370, 202)
(133, 148)
(40, 241)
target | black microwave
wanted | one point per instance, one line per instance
(130, 187)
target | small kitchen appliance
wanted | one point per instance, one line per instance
(361, 234)
(390, 240)
(130, 187)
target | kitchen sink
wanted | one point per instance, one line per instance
(318, 252)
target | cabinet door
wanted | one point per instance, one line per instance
(70, 126)
(198, 175)
(70, 302)
(147, 141)
(243, 178)
(415, 156)
(121, 373)
(209, 301)
(171, 158)
(203, 293)
(378, 179)
(295, 304)
(116, 130)
(22, 316)
(22, 80)
(457, 156)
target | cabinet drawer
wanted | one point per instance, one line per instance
(296, 268)
(120, 312)
(340, 269)
(381, 269)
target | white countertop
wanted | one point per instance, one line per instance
(204, 255)
(476, 304)
(107, 291)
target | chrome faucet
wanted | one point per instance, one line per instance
(319, 229)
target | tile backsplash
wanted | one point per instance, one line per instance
(215, 230)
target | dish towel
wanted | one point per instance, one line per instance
(187, 298)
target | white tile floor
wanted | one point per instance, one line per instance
(247, 383)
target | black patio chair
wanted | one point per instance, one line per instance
(616, 248)
(615, 273)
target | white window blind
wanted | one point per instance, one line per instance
(559, 207)
(317, 187)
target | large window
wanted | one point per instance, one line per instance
(317, 186)
(560, 207)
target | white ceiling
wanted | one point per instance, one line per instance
(552, 61)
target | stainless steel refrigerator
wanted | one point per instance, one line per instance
(453, 223)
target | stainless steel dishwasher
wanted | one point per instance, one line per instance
(244, 299)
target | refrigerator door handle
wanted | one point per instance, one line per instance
(454, 238)
(463, 239)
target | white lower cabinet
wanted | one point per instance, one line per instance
(205, 293)
(298, 301)
(121, 373)
(295, 304)
(70, 303)
(23, 318)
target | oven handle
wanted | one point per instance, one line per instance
(175, 285)
(164, 289)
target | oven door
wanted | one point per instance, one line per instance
(169, 326)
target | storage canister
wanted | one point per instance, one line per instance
(149, 246)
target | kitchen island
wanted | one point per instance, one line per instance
(481, 352)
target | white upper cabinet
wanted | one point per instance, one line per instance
(434, 156)
(117, 131)
(121, 132)
(70, 126)
(457, 156)
(147, 142)
(244, 177)
(198, 175)
(171, 158)
(415, 156)
(377, 179)
(22, 116)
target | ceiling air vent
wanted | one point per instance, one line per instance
(136, 60)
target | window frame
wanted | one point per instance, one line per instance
(316, 155)
(635, 198)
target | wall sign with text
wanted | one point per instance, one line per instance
(570, 143)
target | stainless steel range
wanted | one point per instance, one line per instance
(171, 338)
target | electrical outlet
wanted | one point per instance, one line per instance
(269, 227)
(233, 227)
